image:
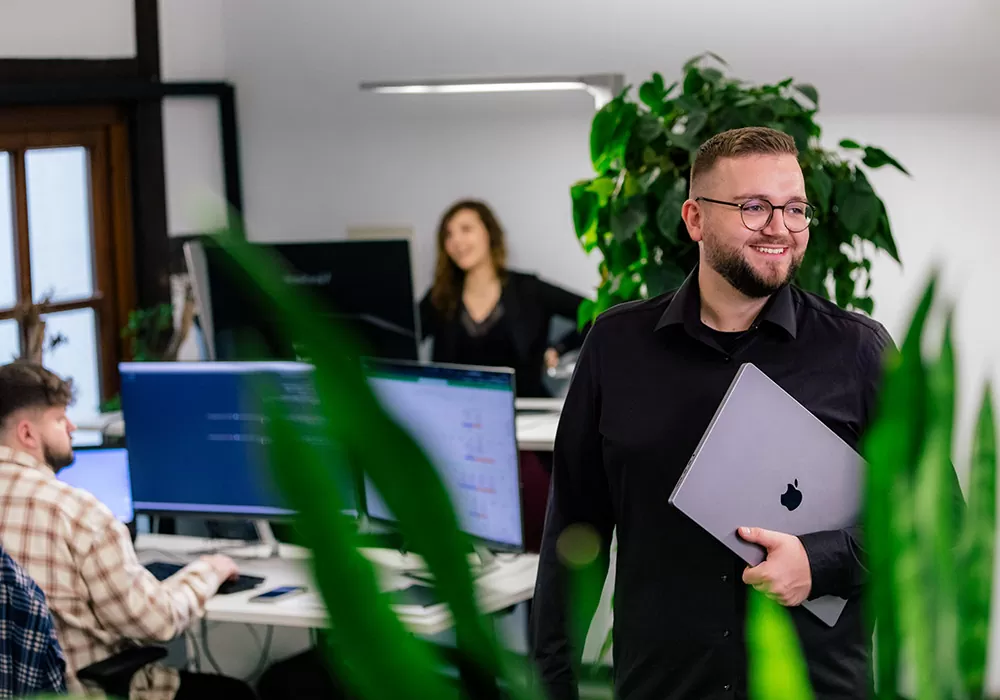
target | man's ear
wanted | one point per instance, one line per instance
(694, 219)
(25, 432)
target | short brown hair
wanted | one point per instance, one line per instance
(446, 291)
(748, 141)
(29, 385)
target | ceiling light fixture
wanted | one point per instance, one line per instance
(603, 88)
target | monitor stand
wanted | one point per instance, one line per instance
(267, 538)
(488, 563)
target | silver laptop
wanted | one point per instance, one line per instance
(766, 461)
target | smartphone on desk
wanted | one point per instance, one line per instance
(280, 593)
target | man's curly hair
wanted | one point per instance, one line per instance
(26, 385)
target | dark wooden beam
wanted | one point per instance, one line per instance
(149, 193)
(14, 71)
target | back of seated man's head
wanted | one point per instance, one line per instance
(33, 419)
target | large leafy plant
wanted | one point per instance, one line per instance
(642, 153)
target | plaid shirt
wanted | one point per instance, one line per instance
(31, 660)
(101, 598)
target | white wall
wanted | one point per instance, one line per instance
(91, 29)
(941, 217)
(192, 47)
(400, 162)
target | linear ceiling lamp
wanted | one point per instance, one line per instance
(602, 88)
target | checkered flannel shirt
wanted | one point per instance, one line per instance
(31, 660)
(101, 598)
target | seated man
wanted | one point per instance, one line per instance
(27, 637)
(101, 598)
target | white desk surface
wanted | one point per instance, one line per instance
(536, 429)
(510, 583)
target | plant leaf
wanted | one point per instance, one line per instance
(668, 215)
(876, 158)
(585, 204)
(357, 423)
(891, 447)
(626, 220)
(934, 529)
(648, 128)
(809, 92)
(821, 187)
(776, 667)
(849, 144)
(602, 131)
(976, 552)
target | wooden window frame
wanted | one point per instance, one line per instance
(103, 130)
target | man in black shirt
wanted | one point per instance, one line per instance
(648, 381)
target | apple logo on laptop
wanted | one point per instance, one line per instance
(792, 497)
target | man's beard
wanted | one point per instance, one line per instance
(58, 460)
(735, 269)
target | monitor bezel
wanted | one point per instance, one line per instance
(504, 547)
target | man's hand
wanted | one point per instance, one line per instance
(551, 358)
(224, 566)
(785, 575)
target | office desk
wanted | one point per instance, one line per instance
(536, 429)
(510, 583)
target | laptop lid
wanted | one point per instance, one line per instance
(766, 461)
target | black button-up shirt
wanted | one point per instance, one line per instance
(647, 383)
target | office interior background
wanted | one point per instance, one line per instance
(320, 159)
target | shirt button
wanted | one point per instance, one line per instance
(725, 633)
(725, 577)
(727, 687)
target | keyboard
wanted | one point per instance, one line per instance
(163, 570)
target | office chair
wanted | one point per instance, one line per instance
(35, 662)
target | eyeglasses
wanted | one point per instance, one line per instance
(757, 213)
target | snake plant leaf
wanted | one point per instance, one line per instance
(930, 595)
(776, 666)
(891, 444)
(405, 478)
(365, 635)
(976, 552)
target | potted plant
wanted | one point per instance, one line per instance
(642, 152)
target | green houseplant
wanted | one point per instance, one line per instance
(642, 153)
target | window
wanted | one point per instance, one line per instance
(66, 242)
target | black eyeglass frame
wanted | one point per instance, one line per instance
(770, 216)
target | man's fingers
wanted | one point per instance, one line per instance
(752, 576)
(757, 535)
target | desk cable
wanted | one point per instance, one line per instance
(265, 651)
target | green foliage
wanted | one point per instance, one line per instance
(148, 332)
(368, 645)
(932, 567)
(776, 667)
(642, 154)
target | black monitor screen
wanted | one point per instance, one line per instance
(366, 286)
(196, 438)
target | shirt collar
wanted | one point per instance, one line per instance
(23, 459)
(685, 308)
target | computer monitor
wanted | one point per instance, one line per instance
(365, 286)
(104, 472)
(196, 438)
(463, 418)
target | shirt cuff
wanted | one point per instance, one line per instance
(824, 561)
(201, 576)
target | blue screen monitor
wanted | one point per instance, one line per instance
(104, 472)
(196, 437)
(464, 419)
